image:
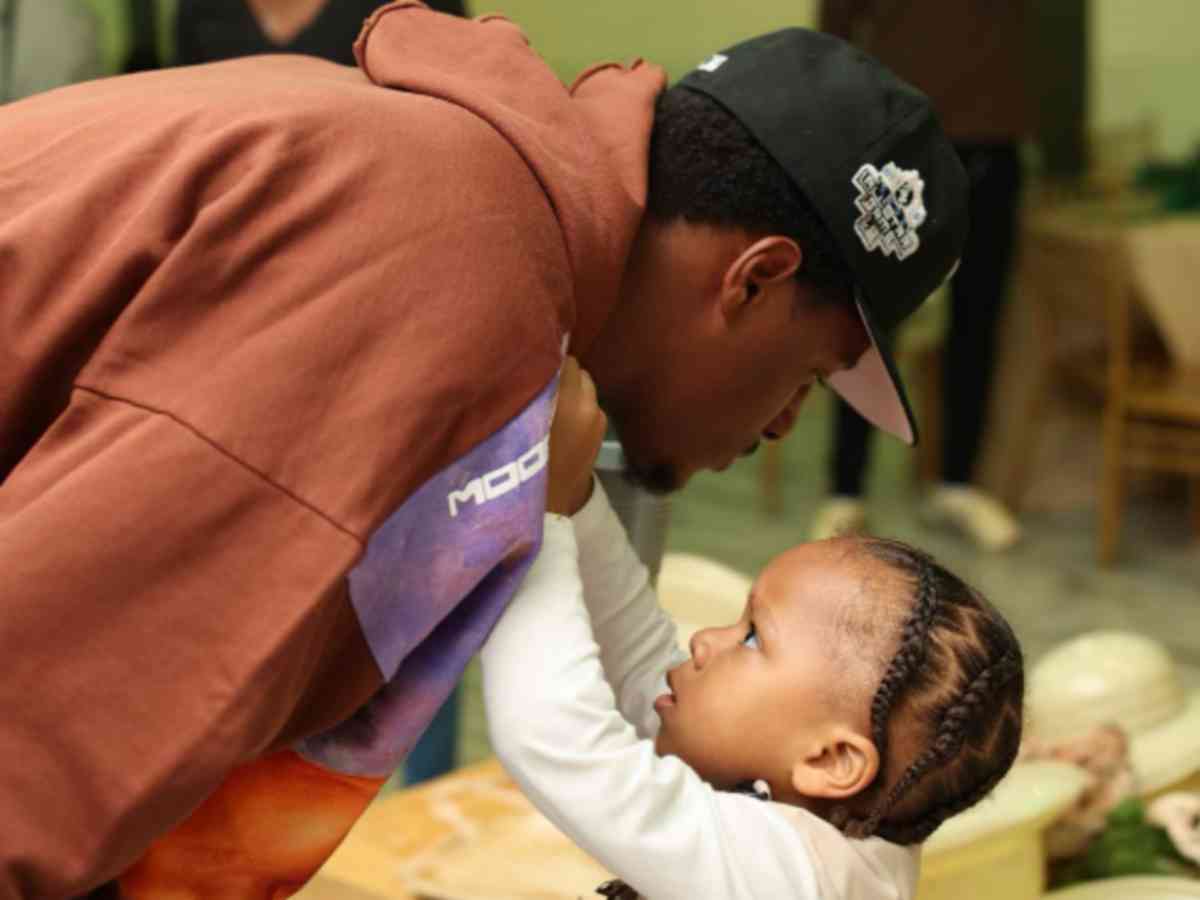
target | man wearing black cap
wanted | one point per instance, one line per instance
(801, 202)
(273, 443)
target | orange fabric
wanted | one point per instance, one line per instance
(143, 664)
(259, 837)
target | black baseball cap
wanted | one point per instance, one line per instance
(867, 151)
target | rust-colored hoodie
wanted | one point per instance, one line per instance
(278, 347)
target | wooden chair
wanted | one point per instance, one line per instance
(1079, 277)
(1116, 152)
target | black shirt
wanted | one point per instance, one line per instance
(209, 30)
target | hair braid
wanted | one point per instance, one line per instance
(950, 738)
(919, 830)
(944, 747)
(957, 657)
(992, 678)
(1009, 667)
(914, 644)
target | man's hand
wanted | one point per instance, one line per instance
(575, 438)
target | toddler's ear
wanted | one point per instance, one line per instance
(840, 767)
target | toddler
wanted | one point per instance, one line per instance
(866, 692)
(805, 751)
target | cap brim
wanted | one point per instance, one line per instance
(874, 389)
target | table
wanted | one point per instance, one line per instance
(470, 835)
(404, 825)
(1158, 262)
(1160, 259)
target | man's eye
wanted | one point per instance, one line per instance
(751, 638)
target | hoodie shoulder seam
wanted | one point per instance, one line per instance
(261, 476)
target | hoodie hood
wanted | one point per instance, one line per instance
(587, 146)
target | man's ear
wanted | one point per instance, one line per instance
(843, 765)
(765, 262)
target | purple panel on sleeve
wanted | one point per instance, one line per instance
(434, 581)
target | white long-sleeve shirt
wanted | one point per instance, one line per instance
(570, 675)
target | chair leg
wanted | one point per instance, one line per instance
(770, 469)
(1035, 329)
(1196, 507)
(1025, 442)
(1112, 487)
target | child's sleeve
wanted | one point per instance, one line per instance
(652, 821)
(637, 637)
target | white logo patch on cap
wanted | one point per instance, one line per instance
(891, 208)
(713, 63)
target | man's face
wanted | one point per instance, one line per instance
(713, 388)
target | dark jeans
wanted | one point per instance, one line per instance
(436, 752)
(976, 296)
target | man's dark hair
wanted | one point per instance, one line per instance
(705, 167)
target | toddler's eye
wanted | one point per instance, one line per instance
(751, 638)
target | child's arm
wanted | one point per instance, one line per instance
(637, 637)
(651, 821)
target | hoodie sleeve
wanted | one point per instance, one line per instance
(174, 640)
(636, 636)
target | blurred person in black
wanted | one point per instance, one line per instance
(969, 57)
(209, 30)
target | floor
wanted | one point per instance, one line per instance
(1050, 586)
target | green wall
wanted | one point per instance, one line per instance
(1146, 66)
(1144, 61)
(675, 33)
(1144, 57)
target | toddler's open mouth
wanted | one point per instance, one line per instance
(667, 700)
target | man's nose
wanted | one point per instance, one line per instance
(783, 423)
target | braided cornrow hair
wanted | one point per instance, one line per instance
(957, 680)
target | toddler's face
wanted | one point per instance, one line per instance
(760, 694)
